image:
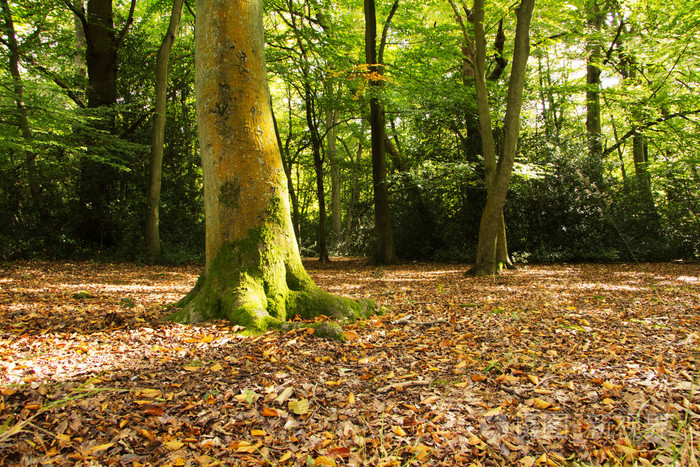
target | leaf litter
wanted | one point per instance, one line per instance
(544, 365)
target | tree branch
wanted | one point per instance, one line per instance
(385, 32)
(646, 126)
(80, 13)
(129, 22)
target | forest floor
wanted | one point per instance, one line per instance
(543, 365)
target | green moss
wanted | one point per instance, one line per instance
(254, 283)
(275, 210)
(230, 192)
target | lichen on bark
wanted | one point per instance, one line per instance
(253, 275)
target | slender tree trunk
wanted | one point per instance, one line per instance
(498, 172)
(382, 214)
(316, 140)
(253, 273)
(80, 44)
(593, 84)
(473, 70)
(332, 143)
(284, 150)
(23, 115)
(158, 134)
(353, 191)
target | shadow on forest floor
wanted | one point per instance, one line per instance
(544, 364)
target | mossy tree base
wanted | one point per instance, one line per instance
(257, 284)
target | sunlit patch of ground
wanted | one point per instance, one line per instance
(589, 362)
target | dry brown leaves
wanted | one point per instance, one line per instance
(544, 365)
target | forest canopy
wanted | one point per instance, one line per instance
(606, 166)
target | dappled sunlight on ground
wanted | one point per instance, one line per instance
(567, 360)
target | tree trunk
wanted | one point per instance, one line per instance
(382, 214)
(80, 44)
(284, 150)
(353, 191)
(332, 139)
(316, 141)
(253, 273)
(158, 135)
(498, 174)
(97, 178)
(593, 126)
(23, 116)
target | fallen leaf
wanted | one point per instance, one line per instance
(541, 404)
(173, 445)
(299, 407)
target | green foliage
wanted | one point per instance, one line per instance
(563, 205)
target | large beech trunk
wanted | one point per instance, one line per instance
(253, 274)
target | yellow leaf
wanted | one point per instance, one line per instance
(477, 378)
(324, 460)
(216, 367)
(299, 407)
(180, 461)
(430, 400)
(609, 385)
(334, 384)
(174, 445)
(398, 431)
(533, 379)
(207, 339)
(351, 398)
(152, 393)
(493, 412)
(351, 335)
(257, 433)
(191, 368)
(608, 401)
(541, 404)
(101, 447)
(463, 384)
(628, 451)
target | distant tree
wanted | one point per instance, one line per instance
(385, 253)
(157, 135)
(97, 175)
(498, 167)
(253, 273)
(22, 113)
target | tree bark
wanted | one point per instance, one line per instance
(474, 71)
(332, 144)
(315, 137)
(253, 273)
(23, 116)
(158, 134)
(97, 179)
(593, 126)
(385, 253)
(491, 226)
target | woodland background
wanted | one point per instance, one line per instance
(74, 155)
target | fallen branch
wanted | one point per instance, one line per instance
(404, 385)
